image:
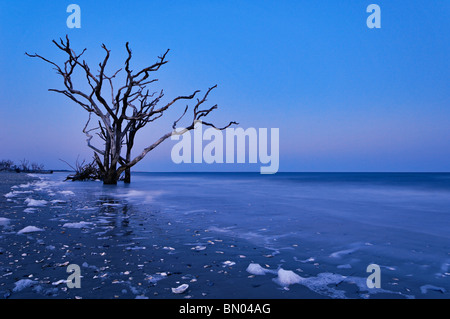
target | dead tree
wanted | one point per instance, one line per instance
(123, 112)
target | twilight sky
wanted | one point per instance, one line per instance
(344, 97)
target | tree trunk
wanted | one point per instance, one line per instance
(110, 177)
(130, 143)
(127, 178)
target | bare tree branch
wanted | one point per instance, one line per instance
(131, 106)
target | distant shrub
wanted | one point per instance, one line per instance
(23, 166)
(6, 165)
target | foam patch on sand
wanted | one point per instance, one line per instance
(324, 283)
(287, 277)
(77, 225)
(58, 201)
(34, 175)
(29, 229)
(27, 185)
(256, 269)
(35, 202)
(66, 193)
(15, 193)
(309, 260)
(42, 185)
(22, 284)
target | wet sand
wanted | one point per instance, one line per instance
(130, 249)
(124, 253)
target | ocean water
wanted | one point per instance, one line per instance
(240, 235)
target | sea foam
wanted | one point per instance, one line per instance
(287, 277)
(256, 269)
(35, 202)
(77, 225)
(29, 229)
(22, 284)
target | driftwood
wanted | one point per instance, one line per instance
(84, 172)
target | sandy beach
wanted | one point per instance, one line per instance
(122, 254)
(132, 242)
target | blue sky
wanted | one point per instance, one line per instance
(345, 97)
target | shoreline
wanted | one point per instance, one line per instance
(148, 266)
(132, 244)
